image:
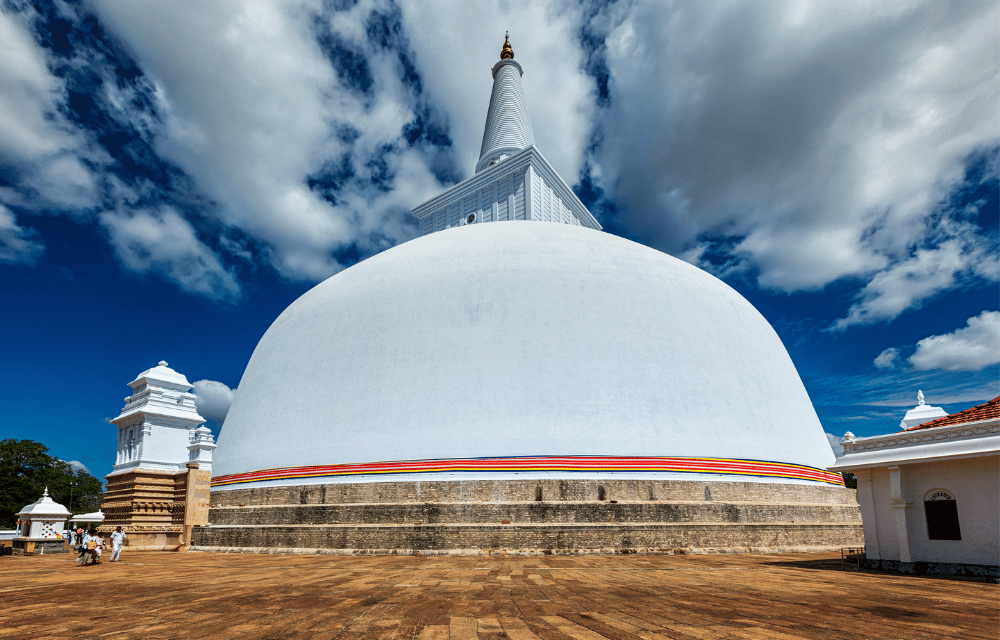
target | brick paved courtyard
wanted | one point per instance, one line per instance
(204, 595)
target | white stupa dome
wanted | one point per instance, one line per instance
(524, 342)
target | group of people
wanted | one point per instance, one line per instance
(91, 545)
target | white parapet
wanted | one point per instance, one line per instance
(521, 187)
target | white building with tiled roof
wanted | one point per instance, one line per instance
(929, 494)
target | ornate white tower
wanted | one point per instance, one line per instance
(508, 129)
(159, 487)
(513, 180)
(157, 422)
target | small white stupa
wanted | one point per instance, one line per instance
(921, 413)
(42, 522)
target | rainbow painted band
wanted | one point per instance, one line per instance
(726, 466)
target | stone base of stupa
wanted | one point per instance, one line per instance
(550, 516)
(41, 546)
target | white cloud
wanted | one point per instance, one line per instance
(887, 359)
(971, 348)
(260, 112)
(213, 399)
(16, 245)
(897, 389)
(906, 284)
(162, 241)
(36, 139)
(28, 93)
(822, 137)
(77, 465)
(835, 444)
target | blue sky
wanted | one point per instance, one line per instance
(173, 175)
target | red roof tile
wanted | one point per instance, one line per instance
(985, 411)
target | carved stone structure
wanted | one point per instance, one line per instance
(148, 505)
(159, 486)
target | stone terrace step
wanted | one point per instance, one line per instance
(538, 490)
(533, 512)
(646, 537)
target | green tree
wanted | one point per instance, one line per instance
(26, 468)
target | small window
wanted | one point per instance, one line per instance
(942, 516)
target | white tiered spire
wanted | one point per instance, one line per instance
(513, 180)
(508, 129)
(157, 423)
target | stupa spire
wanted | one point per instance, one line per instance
(508, 129)
(507, 53)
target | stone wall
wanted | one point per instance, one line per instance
(532, 516)
(533, 513)
(542, 490)
(584, 538)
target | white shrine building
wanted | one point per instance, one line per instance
(42, 523)
(929, 494)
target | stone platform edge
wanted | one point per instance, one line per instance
(534, 490)
(606, 551)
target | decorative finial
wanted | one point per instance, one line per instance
(920, 398)
(508, 52)
(162, 363)
(46, 493)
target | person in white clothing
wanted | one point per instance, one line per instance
(117, 541)
(91, 544)
(100, 547)
(84, 553)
